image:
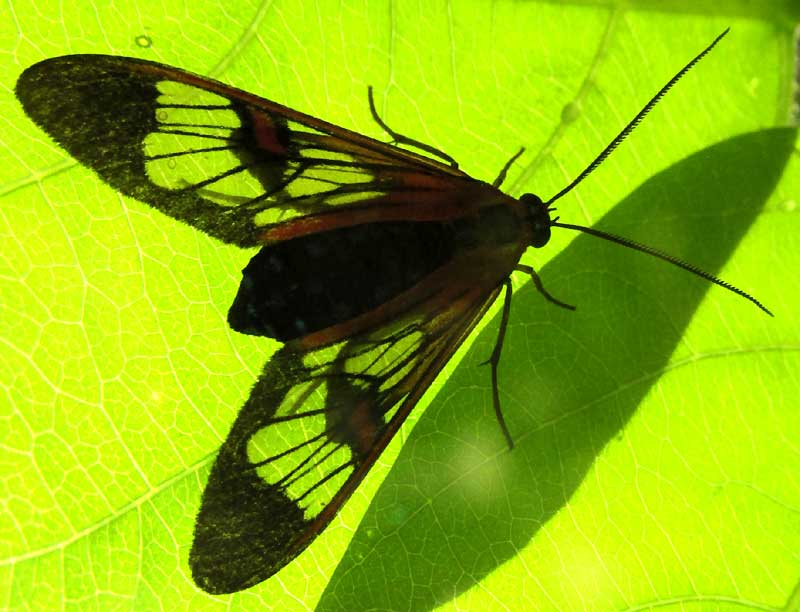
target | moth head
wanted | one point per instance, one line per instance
(538, 219)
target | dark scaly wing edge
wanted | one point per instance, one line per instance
(227, 162)
(248, 529)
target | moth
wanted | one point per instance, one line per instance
(374, 263)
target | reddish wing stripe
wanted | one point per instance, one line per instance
(420, 206)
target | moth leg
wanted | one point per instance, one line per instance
(494, 360)
(540, 287)
(502, 176)
(400, 139)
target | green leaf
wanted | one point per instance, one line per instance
(656, 460)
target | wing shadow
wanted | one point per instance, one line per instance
(455, 505)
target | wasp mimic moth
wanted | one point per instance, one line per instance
(374, 264)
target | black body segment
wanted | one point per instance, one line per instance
(306, 284)
(303, 285)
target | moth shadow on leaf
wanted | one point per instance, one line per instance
(457, 503)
